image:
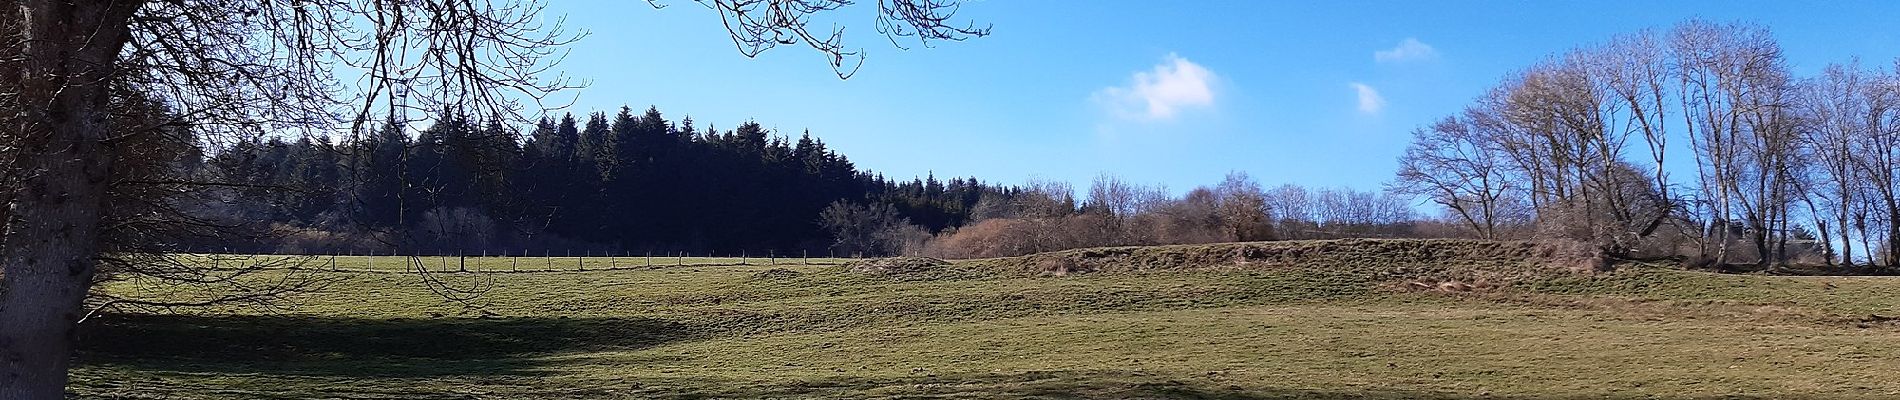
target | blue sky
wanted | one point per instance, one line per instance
(1174, 93)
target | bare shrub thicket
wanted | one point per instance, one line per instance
(457, 228)
(875, 229)
(1334, 213)
(1044, 216)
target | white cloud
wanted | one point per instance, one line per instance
(1369, 100)
(1174, 85)
(1409, 49)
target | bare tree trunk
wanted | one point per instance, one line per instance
(50, 263)
(1762, 253)
(52, 237)
(1781, 238)
(1847, 241)
(1860, 224)
(1820, 223)
(1827, 241)
(1893, 232)
(1722, 238)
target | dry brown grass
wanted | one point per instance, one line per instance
(1466, 264)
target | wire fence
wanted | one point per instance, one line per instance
(522, 262)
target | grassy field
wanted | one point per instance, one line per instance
(1335, 327)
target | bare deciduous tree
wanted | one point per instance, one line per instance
(227, 68)
(1243, 208)
(1458, 168)
(760, 25)
(1734, 99)
(1877, 156)
(869, 230)
(1835, 109)
(1121, 202)
(1293, 208)
(1633, 70)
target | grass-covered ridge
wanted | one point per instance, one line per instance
(1287, 320)
(1388, 258)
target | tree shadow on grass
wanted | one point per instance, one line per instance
(362, 373)
(305, 357)
(396, 348)
(1104, 384)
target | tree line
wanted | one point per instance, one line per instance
(1787, 169)
(638, 183)
(1047, 215)
(626, 182)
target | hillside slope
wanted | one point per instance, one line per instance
(1292, 320)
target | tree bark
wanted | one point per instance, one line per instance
(1847, 241)
(1893, 233)
(63, 71)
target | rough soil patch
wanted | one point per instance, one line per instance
(897, 266)
(775, 273)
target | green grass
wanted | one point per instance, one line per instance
(1298, 331)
